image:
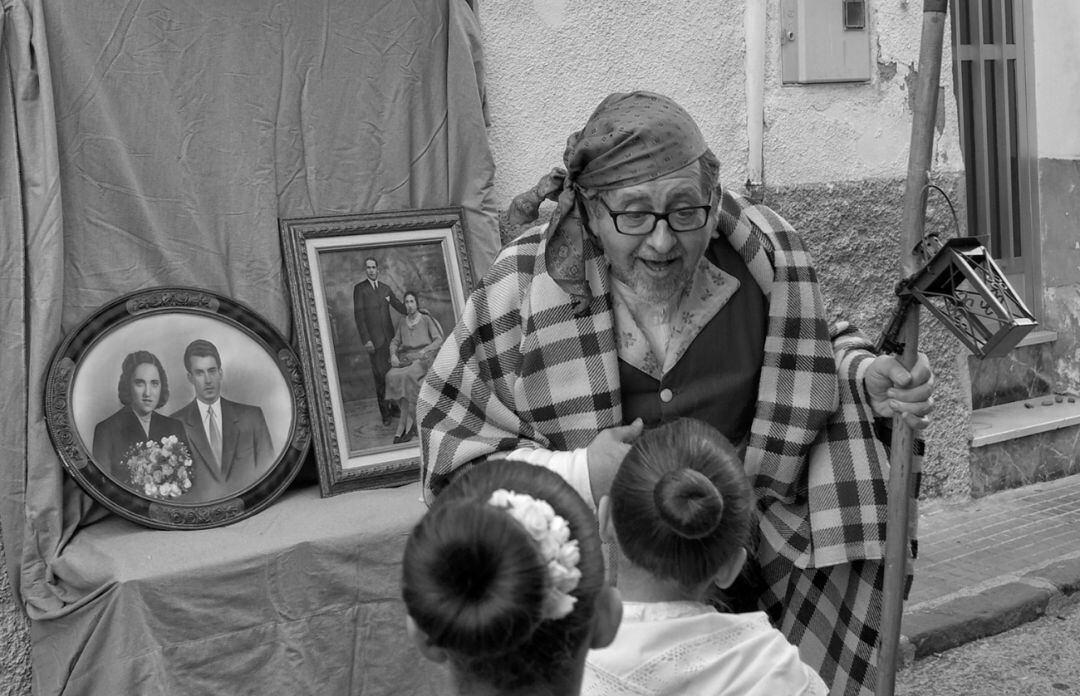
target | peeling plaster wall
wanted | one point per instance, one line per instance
(853, 131)
(835, 154)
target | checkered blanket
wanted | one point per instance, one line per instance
(521, 369)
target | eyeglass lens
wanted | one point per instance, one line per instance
(681, 220)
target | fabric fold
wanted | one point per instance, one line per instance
(178, 137)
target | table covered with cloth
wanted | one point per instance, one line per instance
(302, 598)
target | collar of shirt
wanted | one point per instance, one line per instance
(204, 407)
(709, 291)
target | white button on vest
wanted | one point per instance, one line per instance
(665, 395)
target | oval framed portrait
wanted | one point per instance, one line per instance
(178, 408)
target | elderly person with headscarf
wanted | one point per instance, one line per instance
(653, 294)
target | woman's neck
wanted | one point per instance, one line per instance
(563, 679)
(538, 690)
(639, 585)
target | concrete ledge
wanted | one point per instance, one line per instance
(1000, 608)
(1022, 418)
(1037, 337)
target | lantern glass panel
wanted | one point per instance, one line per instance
(965, 289)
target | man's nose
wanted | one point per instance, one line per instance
(662, 239)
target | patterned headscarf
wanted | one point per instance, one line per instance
(629, 139)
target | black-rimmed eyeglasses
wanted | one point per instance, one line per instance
(638, 223)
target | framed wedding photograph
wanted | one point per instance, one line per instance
(373, 297)
(178, 408)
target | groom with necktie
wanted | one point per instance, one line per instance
(372, 301)
(230, 442)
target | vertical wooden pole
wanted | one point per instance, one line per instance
(913, 224)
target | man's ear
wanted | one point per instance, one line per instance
(606, 618)
(730, 570)
(420, 639)
(716, 199)
(584, 216)
(603, 518)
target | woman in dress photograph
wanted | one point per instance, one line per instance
(415, 343)
(142, 388)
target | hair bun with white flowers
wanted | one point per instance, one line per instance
(504, 572)
(560, 553)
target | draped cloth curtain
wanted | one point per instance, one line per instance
(157, 142)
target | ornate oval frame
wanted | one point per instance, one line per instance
(159, 317)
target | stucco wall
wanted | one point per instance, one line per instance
(1059, 215)
(1057, 89)
(14, 640)
(1057, 81)
(857, 220)
(550, 62)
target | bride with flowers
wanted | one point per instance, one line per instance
(137, 446)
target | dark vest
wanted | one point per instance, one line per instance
(717, 378)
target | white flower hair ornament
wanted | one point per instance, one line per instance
(552, 534)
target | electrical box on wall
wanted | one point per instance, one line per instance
(824, 40)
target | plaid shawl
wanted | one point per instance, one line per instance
(521, 369)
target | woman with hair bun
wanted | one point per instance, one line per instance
(680, 513)
(503, 580)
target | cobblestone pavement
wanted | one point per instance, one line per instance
(993, 563)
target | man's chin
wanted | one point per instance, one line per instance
(659, 289)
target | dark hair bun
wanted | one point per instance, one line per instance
(479, 582)
(689, 503)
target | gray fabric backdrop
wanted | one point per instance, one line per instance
(157, 143)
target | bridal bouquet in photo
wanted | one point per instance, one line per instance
(160, 469)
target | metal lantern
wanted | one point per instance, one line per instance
(968, 293)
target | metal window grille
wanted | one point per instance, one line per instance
(996, 127)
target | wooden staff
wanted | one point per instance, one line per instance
(913, 222)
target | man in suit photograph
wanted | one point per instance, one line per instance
(230, 442)
(371, 309)
(142, 389)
